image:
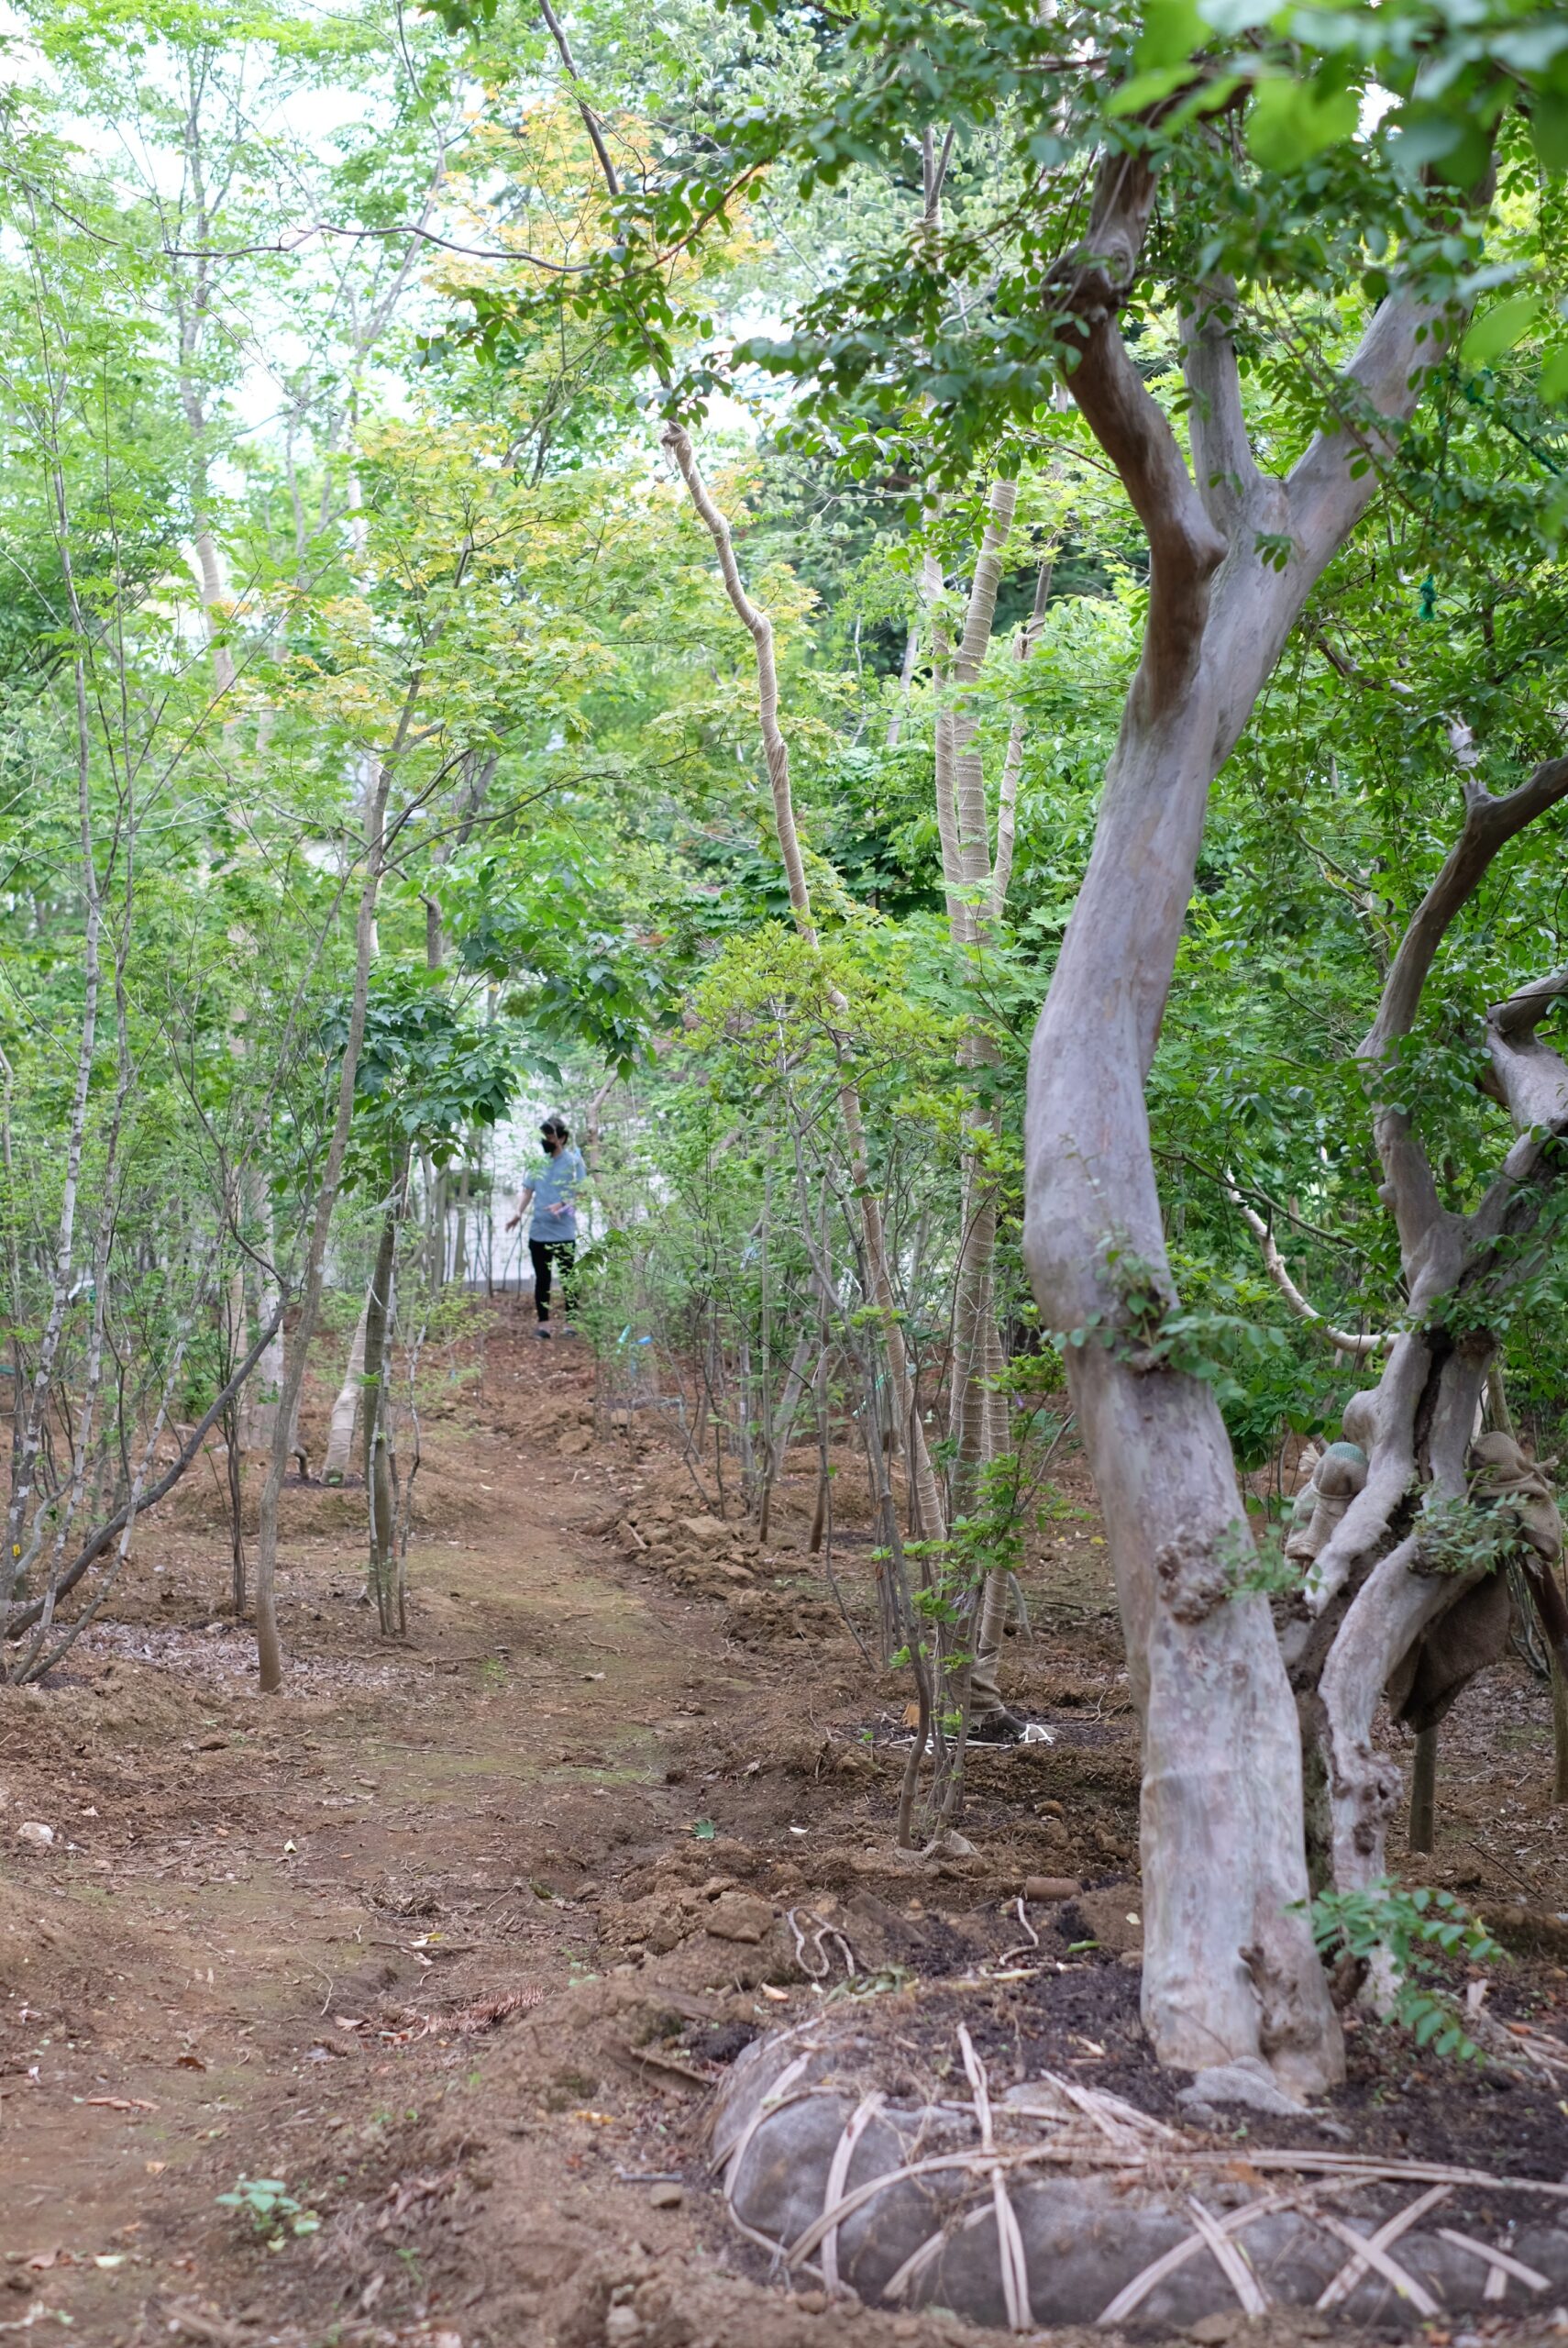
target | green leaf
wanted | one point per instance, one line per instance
(1172, 31)
(1505, 324)
(1554, 374)
(1288, 123)
(1548, 127)
(704, 1830)
(1148, 89)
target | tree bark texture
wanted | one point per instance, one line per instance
(1230, 1970)
(1423, 1791)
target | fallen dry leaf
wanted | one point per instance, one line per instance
(406, 2022)
(122, 2102)
(197, 2323)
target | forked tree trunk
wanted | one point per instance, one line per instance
(1230, 1970)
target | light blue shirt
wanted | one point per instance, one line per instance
(554, 1184)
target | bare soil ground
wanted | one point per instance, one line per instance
(456, 1936)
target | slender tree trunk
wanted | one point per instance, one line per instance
(460, 1259)
(906, 679)
(1423, 1791)
(346, 1409)
(237, 1591)
(20, 1546)
(259, 1403)
(268, 1645)
(776, 750)
(977, 895)
(379, 1497)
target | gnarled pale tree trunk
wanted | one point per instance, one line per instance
(1230, 1970)
(1372, 1598)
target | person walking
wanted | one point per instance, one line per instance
(551, 1192)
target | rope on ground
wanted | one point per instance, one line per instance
(1133, 2294)
(1024, 1947)
(778, 2096)
(1371, 2249)
(1230, 2260)
(824, 1932)
(1011, 2256)
(855, 2128)
(1500, 2266)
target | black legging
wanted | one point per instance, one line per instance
(544, 1254)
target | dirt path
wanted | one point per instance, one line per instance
(300, 1939)
(454, 1939)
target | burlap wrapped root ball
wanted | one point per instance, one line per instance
(1050, 2204)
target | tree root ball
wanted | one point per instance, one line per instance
(1046, 2202)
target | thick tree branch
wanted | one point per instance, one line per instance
(1106, 264)
(1232, 488)
(1490, 822)
(1385, 1423)
(1184, 548)
(1336, 477)
(1431, 1239)
(1527, 1076)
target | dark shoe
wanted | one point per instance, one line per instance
(542, 1330)
(1000, 1727)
